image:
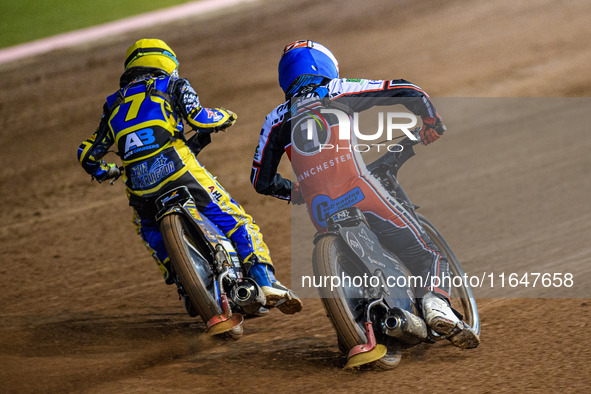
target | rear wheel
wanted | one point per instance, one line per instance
(461, 297)
(345, 306)
(190, 265)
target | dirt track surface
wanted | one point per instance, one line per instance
(82, 305)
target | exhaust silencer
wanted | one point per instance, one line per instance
(248, 295)
(405, 326)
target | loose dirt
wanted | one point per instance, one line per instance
(83, 307)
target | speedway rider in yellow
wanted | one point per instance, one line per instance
(144, 119)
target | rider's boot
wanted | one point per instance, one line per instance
(276, 294)
(441, 318)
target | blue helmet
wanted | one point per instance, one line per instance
(306, 57)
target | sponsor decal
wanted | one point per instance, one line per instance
(190, 100)
(355, 244)
(341, 216)
(365, 237)
(213, 115)
(193, 212)
(172, 196)
(376, 262)
(139, 141)
(144, 175)
(323, 206)
(215, 194)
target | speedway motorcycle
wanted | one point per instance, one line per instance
(376, 320)
(206, 267)
(204, 263)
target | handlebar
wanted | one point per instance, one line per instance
(407, 142)
(395, 160)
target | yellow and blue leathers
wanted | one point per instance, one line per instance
(144, 120)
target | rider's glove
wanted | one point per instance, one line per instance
(107, 171)
(432, 129)
(297, 198)
(231, 120)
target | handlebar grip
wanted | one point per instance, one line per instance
(406, 141)
(114, 172)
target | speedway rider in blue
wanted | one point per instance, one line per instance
(308, 70)
(144, 119)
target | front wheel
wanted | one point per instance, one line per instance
(190, 265)
(461, 297)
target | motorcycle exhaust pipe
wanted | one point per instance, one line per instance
(244, 294)
(248, 295)
(405, 326)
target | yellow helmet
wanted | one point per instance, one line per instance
(151, 53)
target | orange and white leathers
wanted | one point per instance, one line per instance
(336, 177)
